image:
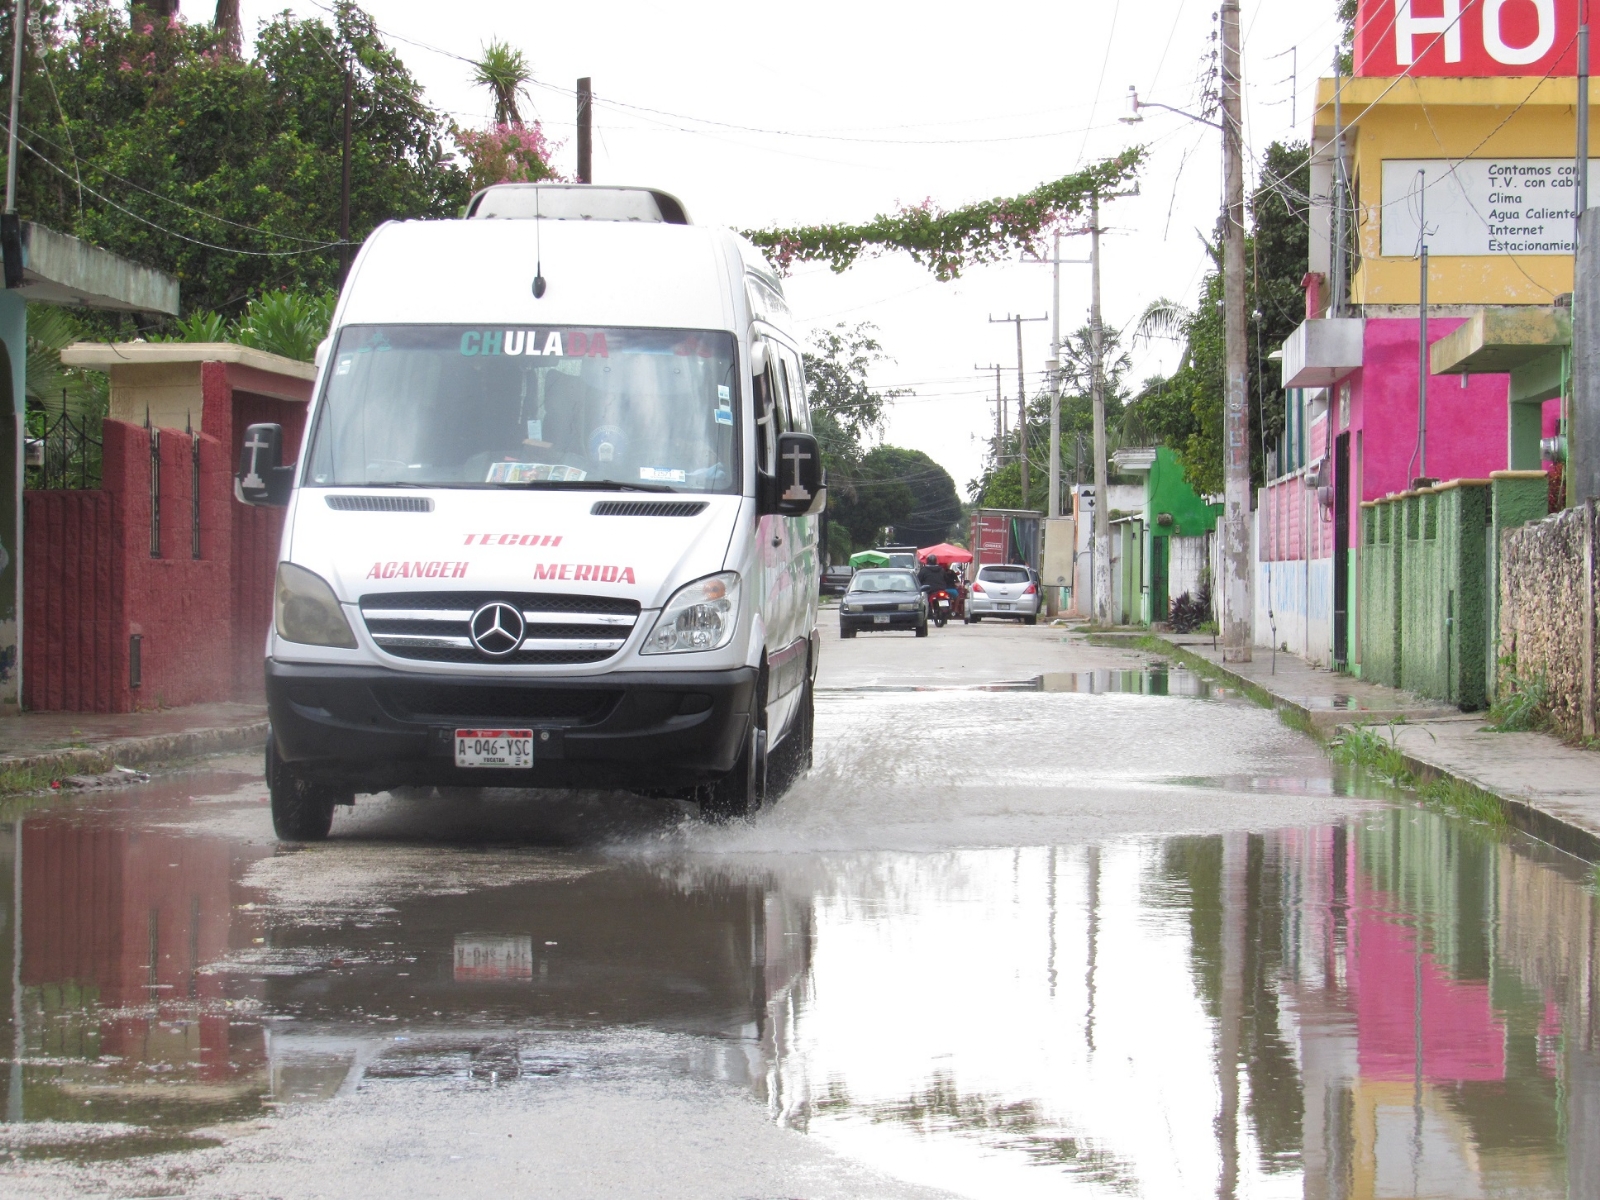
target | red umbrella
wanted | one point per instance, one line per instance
(944, 554)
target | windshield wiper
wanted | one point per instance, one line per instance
(591, 485)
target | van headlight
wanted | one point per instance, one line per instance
(700, 616)
(305, 610)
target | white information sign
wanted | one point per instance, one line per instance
(1480, 206)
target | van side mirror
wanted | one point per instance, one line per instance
(262, 478)
(798, 489)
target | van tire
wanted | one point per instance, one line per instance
(793, 757)
(301, 810)
(741, 792)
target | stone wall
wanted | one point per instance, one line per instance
(1542, 599)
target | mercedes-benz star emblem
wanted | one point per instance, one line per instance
(497, 629)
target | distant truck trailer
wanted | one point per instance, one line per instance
(1006, 535)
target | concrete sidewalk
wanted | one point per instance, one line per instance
(1547, 788)
(37, 747)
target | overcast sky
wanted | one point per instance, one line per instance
(836, 112)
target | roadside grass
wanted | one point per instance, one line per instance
(17, 781)
(1369, 749)
(1523, 703)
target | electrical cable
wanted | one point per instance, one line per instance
(104, 199)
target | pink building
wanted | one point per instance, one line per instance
(1362, 373)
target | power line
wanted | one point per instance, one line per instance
(104, 199)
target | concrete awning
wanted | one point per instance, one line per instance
(58, 268)
(1135, 458)
(1496, 341)
(105, 355)
(1323, 351)
(166, 380)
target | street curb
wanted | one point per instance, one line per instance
(132, 751)
(1519, 813)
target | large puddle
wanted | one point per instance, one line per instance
(1389, 1002)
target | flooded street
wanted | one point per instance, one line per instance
(1095, 931)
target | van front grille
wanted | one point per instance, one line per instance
(556, 629)
(454, 702)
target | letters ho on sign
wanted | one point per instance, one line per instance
(1466, 37)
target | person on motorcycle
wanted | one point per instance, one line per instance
(930, 576)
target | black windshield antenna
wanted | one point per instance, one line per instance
(538, 249)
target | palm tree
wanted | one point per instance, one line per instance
(505, 72)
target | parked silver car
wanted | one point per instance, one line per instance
(1004, 591)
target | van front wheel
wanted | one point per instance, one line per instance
(301, 811)
(742, 790)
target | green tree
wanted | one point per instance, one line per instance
(1185, 409)
(152, 139)
(1000, 485)
(934, 506)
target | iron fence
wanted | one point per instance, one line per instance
(63, 448)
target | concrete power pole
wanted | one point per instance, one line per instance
(1097, 394)
(1022, 397)
(1235, 581)
(1053, 385)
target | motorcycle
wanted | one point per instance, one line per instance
(939, 607)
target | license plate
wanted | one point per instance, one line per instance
(493, 959)
(881, 620)
(1004, 607)
(504, 748)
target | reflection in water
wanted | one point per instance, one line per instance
(1400, 1005)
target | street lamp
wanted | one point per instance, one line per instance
(1135, 104)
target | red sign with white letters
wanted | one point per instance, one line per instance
(1467, 38)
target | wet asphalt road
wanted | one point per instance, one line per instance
(1042, 921)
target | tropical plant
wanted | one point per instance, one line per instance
(287, 323)
(506, 73)
(948, 242)
(290, 323)
(48, 384)
(506, 154)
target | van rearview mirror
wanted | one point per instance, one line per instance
(262, 479)
(798, 489)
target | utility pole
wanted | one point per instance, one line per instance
(1022, 397)
(1052, 492)
(1053, 371)
(1101, 557)
(999, 411)
(1580, 179)
(1236, 614)
(1336, 301)
(585, 130)
(344, 185)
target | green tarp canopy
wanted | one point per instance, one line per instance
(868, 558)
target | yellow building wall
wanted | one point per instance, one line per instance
(1509, 117)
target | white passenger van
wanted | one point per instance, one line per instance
(554, 520)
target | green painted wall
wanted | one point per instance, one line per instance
(1168, 493)
(1382, 552)
(1429, 584)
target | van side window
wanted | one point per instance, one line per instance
(767, 403)
(799, 410)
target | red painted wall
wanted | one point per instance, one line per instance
(91, 581)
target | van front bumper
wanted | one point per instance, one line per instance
(368, 729)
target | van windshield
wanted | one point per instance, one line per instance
(472, 406)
